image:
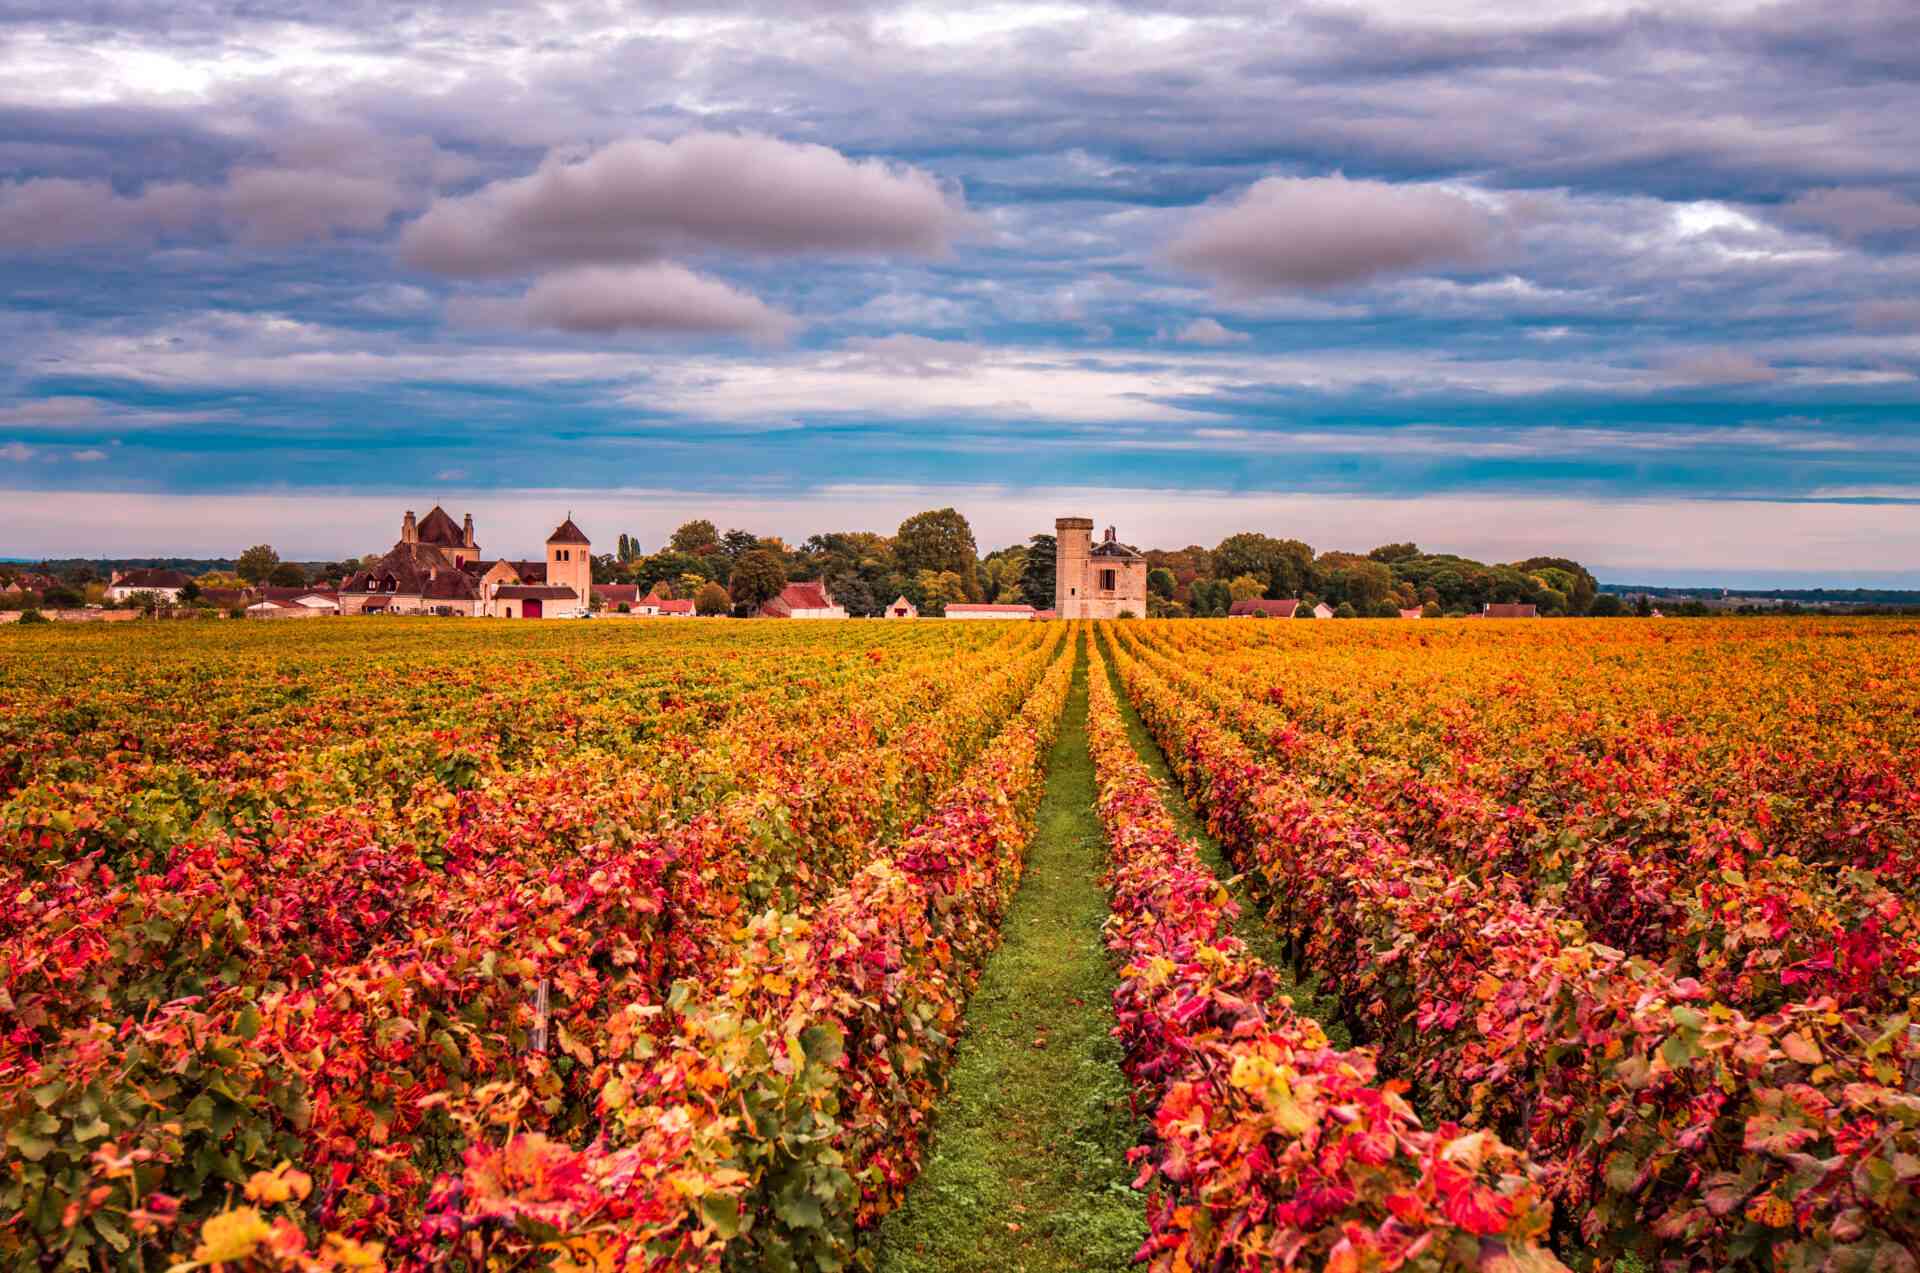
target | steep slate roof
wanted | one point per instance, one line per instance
(438, 528)
(1263, 609)
(1111, 547)
(567, 533)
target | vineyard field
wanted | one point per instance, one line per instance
(649, 946)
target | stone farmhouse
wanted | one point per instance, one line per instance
(437, 568)
(1095, 581)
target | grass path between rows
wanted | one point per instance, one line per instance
(1251, 927)
(1028, 1169)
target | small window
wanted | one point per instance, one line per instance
(1106, 581)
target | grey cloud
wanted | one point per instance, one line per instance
(1719, 367)
(1320, 232)
(1856, 214)
(51, 213)
(637, 200)
(1888, 315)
(660, 297)
(277, 206)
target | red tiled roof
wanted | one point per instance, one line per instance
(1264, 609)
(1512, 610)
(617, 592)
(567, 533)
(683, 606)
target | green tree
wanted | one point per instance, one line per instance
(1211, 598)
(938, 540)
(191, 591)
(1607, 606)
(757, 578)
(1345, 610)
(711, 599)
(938, 590)
(697, 538)
(1285, 565)
(257, 563)
(1580, 585)
(1246, 588)
(1391, 553)
(1160, 582)
(1037, 579)
(288, 574)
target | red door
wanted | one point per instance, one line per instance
(531, 610)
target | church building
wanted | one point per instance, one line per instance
(436, 568)
(1096, 581)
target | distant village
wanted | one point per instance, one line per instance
(929, 567)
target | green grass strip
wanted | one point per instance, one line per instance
(1028, 1168)
(1252, 927)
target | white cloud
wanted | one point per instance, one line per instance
(1209, 331)
(16, 452)
(89, 455)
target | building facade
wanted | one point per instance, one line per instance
(436, 568)
(1096, 581)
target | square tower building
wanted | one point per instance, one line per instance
(1096, 581)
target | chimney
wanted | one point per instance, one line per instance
(1109, 534)
(408, 534)
(469, 533)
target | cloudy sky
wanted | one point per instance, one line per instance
(1637, 283)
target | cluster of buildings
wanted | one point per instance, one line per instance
(1259, 608)
(437, 568)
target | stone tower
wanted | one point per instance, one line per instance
(570, 565)
(1073, 545)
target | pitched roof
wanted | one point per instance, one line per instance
(810, 595)
(525, 592)
(452, 585)
(152, 578)
(683, 606)
(1263, 608)
(530, 571)
(567, 533)
(628, 592)
(438, 528)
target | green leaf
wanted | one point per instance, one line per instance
(824, 1044)
(31, 1147)
(801, 1212)
(723, 1213)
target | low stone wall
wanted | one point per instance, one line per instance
(75, 616)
